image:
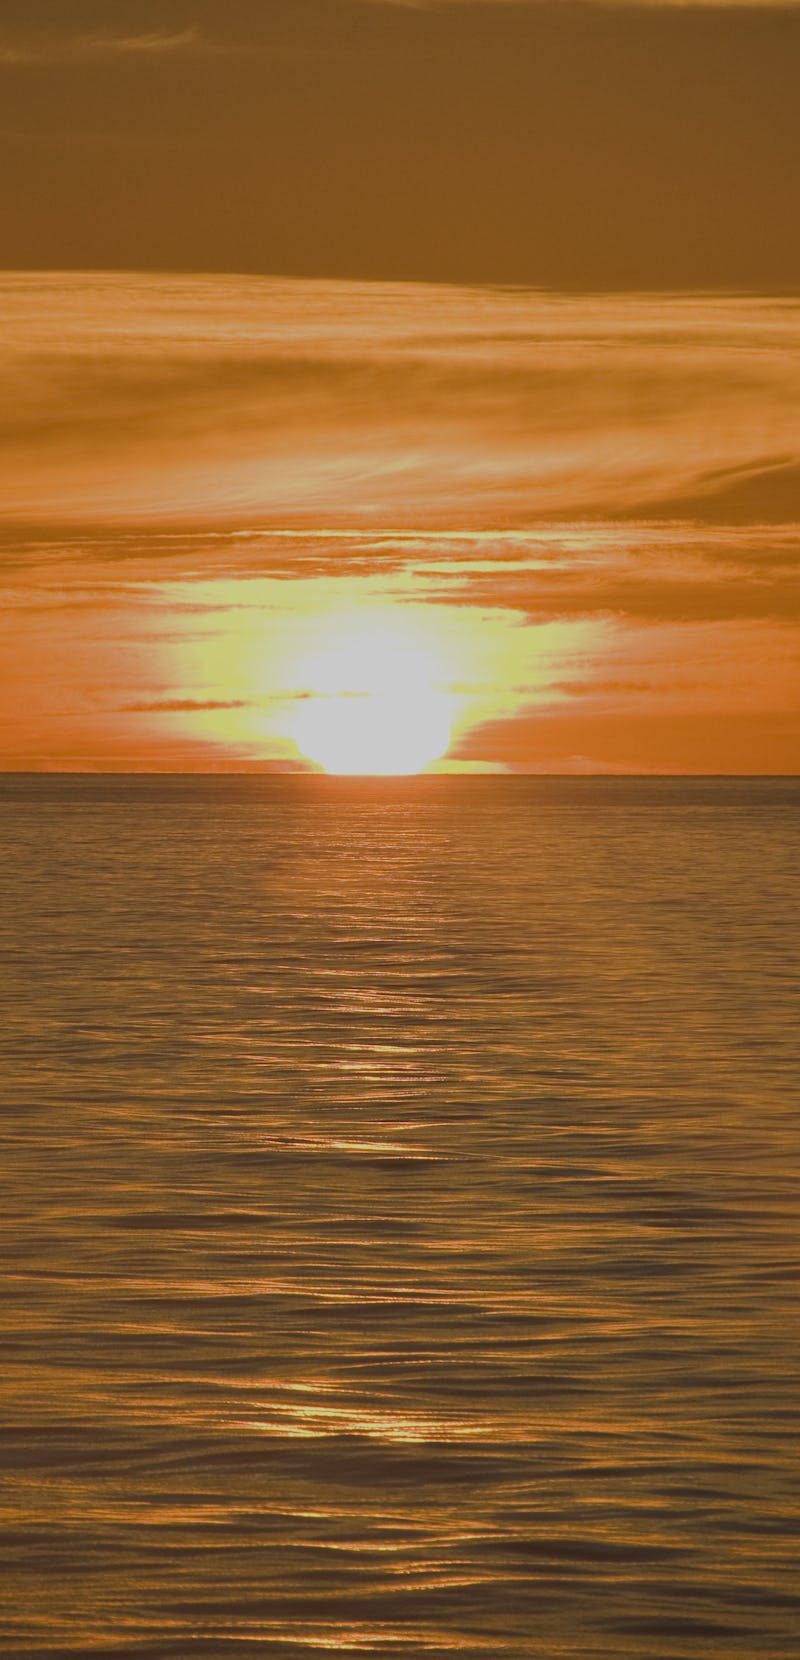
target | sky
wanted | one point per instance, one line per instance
(470, 326)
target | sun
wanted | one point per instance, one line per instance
(372, 704)
(373, 732)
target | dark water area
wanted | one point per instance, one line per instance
(400, 1220)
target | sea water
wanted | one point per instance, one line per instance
(400, 1231)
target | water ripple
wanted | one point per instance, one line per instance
(401, 1234)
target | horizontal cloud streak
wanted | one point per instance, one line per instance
(634, 572)
(643, 571)
(57, 49)
(205, 400)
(259, 30)
(182, 706)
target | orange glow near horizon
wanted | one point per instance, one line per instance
(267, 524)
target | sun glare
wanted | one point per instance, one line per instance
(371, 705)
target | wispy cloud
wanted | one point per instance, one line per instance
(65, 45)
(637, 573)
(83, 48)
(234, 400)
(181, 705)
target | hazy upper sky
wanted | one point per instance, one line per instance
(473, 319)
(577, 145)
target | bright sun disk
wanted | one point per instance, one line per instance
(372, 706)
(373, 733)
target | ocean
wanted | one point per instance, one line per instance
(400, 1231)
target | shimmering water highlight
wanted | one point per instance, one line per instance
(401, 1229)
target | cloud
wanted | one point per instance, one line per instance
(291, 28)
(631, 574)
(234, 401)
(182, 706)
(53, 49)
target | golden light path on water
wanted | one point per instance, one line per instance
(403, 1250)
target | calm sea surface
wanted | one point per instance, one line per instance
(400, 1220)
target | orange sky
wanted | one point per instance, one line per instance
(570, 144)
(580, 500)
